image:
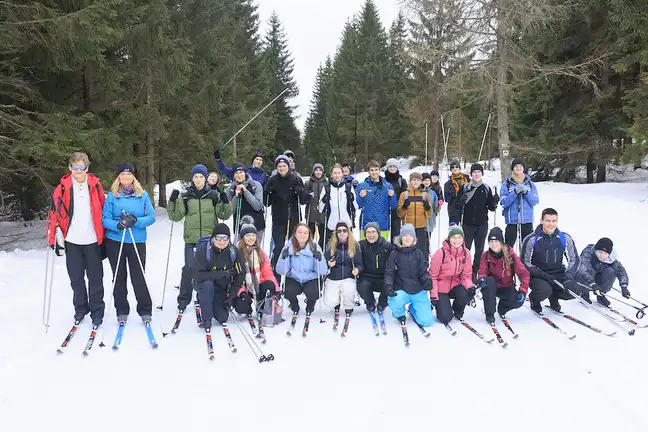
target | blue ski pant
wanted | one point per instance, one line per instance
(419, 306)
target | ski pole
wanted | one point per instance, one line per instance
(589, 306)
(519, 227)
(252, 119)
(166, 270)
(632, 298)
(640, 311)
(111, 298)
(254, 346)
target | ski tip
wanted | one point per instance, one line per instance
(515, 336)
(85, 353)
(59, 351)
(211, 357)
(115, 347)
(155, 346)
(234, 350)
(288, 333)
(505, 345)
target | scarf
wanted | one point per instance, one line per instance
(127, 190)
(471, 189)
(254, 265)
(458, 181)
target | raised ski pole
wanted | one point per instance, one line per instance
(252, 119)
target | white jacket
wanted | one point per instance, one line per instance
(338, 203)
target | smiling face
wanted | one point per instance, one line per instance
(549, 223)
(318, 173)
(198, 181)
(342, 234)
(371, 235)
(415, 183)
(126, 179)
(456, 241)
(407, 240)
(212, 179)
(336, 174)
(301, 234)
(427, 182)
(250, 239)
(346, 170)
(392, 169)
(374, 173)
(257, 162)
(79, 170)
(283, 168)
(239, 176)
(495, 246)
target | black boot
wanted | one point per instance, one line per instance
(585, 296)
(490, 319)
(603, 300)
(554, 304)
(536, 306)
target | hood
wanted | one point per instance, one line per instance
(399, 244)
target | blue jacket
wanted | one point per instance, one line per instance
(376, 204)
(510, 201)
(257, 174)
(140, 207)
(302, 267)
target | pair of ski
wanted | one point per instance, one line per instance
(498, 335)
(93, 334)
(569, 336)
(210, 345)
(293, 323)
(618, 315)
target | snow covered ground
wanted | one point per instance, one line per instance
(542, 381)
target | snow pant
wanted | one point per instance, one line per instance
(338, 292)
(507, 295)
(423, 243)
(542, 289)
(82, 261)
(445, 311)
(309, 288)
(320, 228)
(603, 280)
(279, 240)
(510, 233)
(419, 307)
(367, 286)
(186, 282)
(477, 233)
(395, 225)
(383, 234)
(129, 255)
(213, 301)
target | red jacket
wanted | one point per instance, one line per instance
(493, 266)
(264, 273)
(450, 267)
(62, 207)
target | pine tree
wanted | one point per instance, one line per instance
(317, 144)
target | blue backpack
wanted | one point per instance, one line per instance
(561, 236)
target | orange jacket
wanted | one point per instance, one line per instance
(415, 214)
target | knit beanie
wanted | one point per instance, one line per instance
(346, 164)
(282, 158)
(247, 226)
(605, 245)
(257, 155)
(125, 167)
(318, 165)
(476, 167)
(221, 229)
(517, 161)
(454, 229)
(199, 169)
(373, 225)
(391, 162)
(237, 166)
(408, 229)
(455, 164)
(496, 234)
(290, 153)
(426, 176)
(341, 224)
(434, 173)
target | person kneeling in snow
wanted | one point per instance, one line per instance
(219, 271)
(599, 268)
(497, 270)
(407, 280)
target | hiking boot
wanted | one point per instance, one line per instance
(501, 315)
(146, 318)
(536, 306)
(371, 309)
(79, 316)
(122, 318)
(381, 308)
(490, 319)
(554, 304)
(585, 296)
(602, 300)
(97, 321)
(205, 325)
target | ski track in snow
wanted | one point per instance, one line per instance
(542, 381)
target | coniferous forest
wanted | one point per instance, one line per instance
(162, 84)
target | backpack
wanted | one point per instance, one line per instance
(272, 312)
(424, 196)
(350, 199)
(207, 240)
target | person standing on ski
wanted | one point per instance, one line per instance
(260, 281)
(451, 191)
(302, 264)
(126, 214)
(518, 196)
(201, 207)
(285, 195)
(246, 196)
(407, 280)
(348, 177)
(435, 185)
(75, 209)
(338, 202)
(542, 254)
(314, 188)
(375, 251)
(425, 186)
(450, 271)
(399, 184)
(498, 268)
(476, 199)
(599, 268)
(415, 208)
(219, 271)
(377, 199)
(255, 171)
(344, 258)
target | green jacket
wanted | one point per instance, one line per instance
(200, 210)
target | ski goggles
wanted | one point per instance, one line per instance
(79, 167)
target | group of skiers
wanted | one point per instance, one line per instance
(320, 256)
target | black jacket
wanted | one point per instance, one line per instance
(284, 195)
(451, 198)
(344, 264)
(227, 274)
(480, 201)
(406, 270)
(436, 187)
(398, 182)
(374, 258)
(543, 255)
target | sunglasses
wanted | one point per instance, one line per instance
(221, 238)
(79, 167)
(342, 231)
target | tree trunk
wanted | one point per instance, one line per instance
(591, 166)
(503, 92)
(86, 90)
(162, 199)
(601, 172)
(234, 157)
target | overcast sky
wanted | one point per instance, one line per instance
(313, 28)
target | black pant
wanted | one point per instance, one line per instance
(279, 240)
(603, 280)
(82, 260)
(477, 233)
(445, 311)
(395, 225)
(213, 301)
(367, 286)
(321, 227)
(507, 295)
(309, 288)
(542, 289)
(510, 234)
(423, 243)
(186, 282)
(144, 304)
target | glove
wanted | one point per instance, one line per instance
(217, 154)
(390, 290)
(440, 203)
(520, 189)
(624, 292)
(427, 286)
(284, 253)
(427, 206)
(406, 203)
(481, 283)
(223, 198)
(174, 195)
(521, 297)
(57, 249)
(317, 255)
(126, 220)
(297, 190)
(471, 291)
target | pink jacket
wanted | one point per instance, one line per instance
(449, 268)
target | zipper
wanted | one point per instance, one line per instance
(200, 217)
